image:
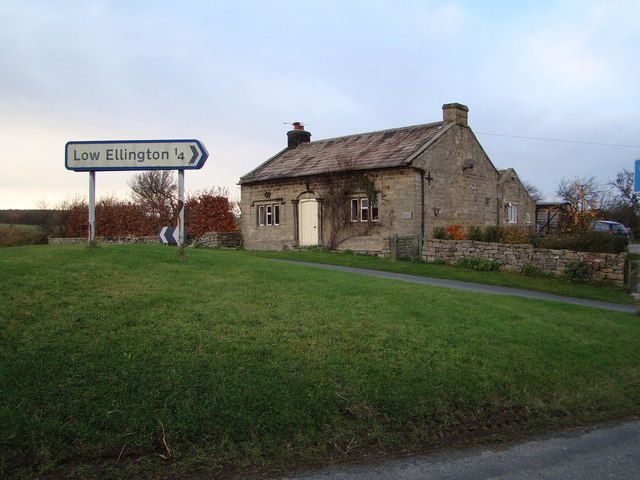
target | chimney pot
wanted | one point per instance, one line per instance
(298, 135)
(455, 113)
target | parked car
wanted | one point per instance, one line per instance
(614, 228)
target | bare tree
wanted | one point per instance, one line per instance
(533, 191)
(587, 199)
(583, 193)
(45, 216)
(156, 190)
(625, 195)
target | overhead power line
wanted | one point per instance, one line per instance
(559, 140)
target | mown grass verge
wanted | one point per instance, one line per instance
(124, 361)
(557, 285)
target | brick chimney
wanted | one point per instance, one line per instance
(297, 136)
(455, 113)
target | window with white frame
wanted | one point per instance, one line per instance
(355, 216)
(527, 217)
(512, 213)
(362, 211)
(268, 215)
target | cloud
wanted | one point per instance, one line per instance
(230, 74)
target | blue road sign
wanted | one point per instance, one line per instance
(636, 179)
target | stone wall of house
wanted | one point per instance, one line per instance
(460, 181)
(511, 190)
(219, 240)
(399, 211)
(270, 237)
(606, 266)
(117, 240)
(365, 245)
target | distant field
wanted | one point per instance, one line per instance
(16, 234)
(124, 361)
(18, 226)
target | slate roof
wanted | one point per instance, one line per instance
(363, 151)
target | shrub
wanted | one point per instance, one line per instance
(483, 264)
(535, 240)
(531, 271)
(491, 233)
(204, 212)
(455, 232)
(209, 212)
(597, 242)
(577, 271)
(515, 235)
(474, 233)
(439, 261)
(440, 233)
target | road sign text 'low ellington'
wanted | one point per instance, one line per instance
(135, 155)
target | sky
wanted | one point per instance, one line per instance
(232, 74)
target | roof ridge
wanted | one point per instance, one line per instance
(432, 124)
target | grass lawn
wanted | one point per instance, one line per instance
(124, 361)
(556, 285)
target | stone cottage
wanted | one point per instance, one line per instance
(515, 205)
(358, 191)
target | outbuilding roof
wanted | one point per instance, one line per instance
(552, 204)
(363, 151)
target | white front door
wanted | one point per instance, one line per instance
(308, 222)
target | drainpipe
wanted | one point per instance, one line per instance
(296, 238)
(421, 237)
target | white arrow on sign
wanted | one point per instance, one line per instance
(135, 155)
(169, 235)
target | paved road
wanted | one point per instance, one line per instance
(611, 452)
(474, 287)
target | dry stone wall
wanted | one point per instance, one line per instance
(117, 240)
(209, 239)
(605, 266)
(219, 240)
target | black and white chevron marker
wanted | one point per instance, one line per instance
(169, 235)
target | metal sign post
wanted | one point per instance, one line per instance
(115, 155)
(181, 232)
(92, 207)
